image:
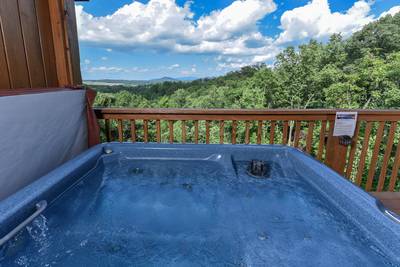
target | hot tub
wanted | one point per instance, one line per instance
(196, 205)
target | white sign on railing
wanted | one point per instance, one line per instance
(345, 123)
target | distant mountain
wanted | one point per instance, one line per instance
(163, 79)
(111, 82)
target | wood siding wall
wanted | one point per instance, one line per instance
(38, 44)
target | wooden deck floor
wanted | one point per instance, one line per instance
(391, 200)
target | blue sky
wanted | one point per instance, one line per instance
(146, 39)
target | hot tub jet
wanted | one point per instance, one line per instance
(258, 169)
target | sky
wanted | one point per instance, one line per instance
(148, 39)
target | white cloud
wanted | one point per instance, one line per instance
(234, 62)
(113, 69)
(173, 66)
(137, 69)
(238, 18)
(104, 58)
(229, 63)
(192, 70)
(164, 25)
(154, 24)
(315, 20)
(393, 11)
(230, 34)
(263, 58)
(86, 61)
(106, 69)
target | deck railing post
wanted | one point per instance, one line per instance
(336, 155)
(335, 152)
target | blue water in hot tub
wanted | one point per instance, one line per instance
(149, 212)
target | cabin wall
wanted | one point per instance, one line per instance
(39, 128)
(38, 44)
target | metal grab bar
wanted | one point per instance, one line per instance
(388, 213)
(392, 216)
(40, 207)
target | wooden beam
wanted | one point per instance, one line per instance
(56, 9)
(72, 42)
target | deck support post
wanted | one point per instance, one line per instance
(336, 153)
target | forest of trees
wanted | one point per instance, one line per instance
(362, 71)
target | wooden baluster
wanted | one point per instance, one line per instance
(353, 149)
(171, 132)
(183, 124)
(321, 144)
(221, 132)
(247, 133)
(207, 132)
(120, 133)
(375, 155)
(158, 131)
(310, 137)
(196, 132)
(285, 132)
(133, 131)
(386, 157)
(107, 129)
(395, 169)
(234, 126)
(363, 154)
(259, 132)
(146, 131)
(272, 133)
(297, 133)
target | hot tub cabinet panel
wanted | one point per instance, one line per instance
(162, 204)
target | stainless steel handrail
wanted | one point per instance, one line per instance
(388, 213)
(392, 216)
(40, 207)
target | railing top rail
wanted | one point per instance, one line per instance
(189, 111)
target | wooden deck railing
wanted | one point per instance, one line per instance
(371, 161)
